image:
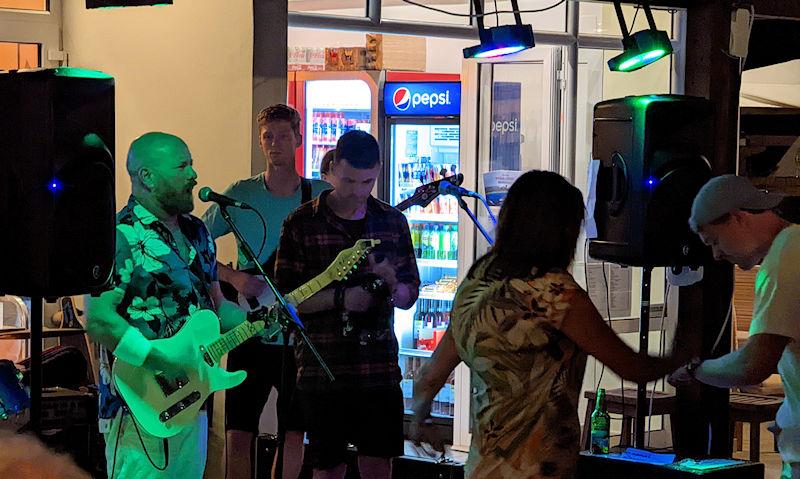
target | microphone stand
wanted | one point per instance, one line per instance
(465, 207)
(289, 310)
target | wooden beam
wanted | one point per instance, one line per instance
(270, 57)
(704, 307)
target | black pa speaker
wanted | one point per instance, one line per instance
(57, 200)
(655, 155)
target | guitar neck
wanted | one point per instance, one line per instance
(246, 330)
(405, 204)
(309, 289)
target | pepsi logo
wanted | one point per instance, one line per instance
(402, 98)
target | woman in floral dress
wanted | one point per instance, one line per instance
(524, 327)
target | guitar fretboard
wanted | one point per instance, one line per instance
(241, 333)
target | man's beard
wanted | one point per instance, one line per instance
(177, 202)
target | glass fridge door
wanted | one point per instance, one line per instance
(422, 151)
(333, 107)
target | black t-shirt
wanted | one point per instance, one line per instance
(354, 228)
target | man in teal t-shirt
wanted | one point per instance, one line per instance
(275, 193)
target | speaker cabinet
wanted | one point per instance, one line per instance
(57, 200)
(655, 156)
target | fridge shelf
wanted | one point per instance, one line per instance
(418, 353)
(323, 143)
(432, 218)
(438, 263)
(437, 296)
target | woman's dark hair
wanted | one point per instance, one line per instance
(539, 225)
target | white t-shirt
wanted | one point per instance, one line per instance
(777, 311)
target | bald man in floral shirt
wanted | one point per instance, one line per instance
(165, 270)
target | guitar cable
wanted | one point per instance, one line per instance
(141, 441)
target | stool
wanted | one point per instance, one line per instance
(663, 403)
(753, 409)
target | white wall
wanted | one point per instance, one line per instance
(184, 69)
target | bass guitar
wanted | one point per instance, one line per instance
(165, 406)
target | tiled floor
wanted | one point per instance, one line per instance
(769, 457)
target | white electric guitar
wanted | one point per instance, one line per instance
(164, 407)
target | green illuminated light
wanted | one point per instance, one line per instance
(641, 60)
(81, 73)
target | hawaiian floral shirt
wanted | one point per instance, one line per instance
(526, 374)
(160, 289)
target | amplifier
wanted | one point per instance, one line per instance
(63, 408)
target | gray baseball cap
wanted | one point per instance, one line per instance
(727, 193)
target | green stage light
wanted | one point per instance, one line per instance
(641, 48)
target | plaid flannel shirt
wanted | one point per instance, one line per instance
(311, 238)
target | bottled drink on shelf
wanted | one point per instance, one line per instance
(600, 424)
(407, 383)
(315, 125)
(334, 133)
(453, 242)
(324, 127)
(426, 240)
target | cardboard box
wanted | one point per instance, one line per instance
(306, 59)
(345, 58)
(393, 52)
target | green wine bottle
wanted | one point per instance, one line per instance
(601, 423)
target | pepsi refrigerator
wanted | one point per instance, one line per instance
(420, 143)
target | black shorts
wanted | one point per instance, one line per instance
(370, 419)
(244, 403)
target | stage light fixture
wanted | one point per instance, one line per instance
(641, 48)
(502, 39)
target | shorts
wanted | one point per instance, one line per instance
(244, 403)
(370, 419)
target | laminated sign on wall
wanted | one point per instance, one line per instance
(505, 126)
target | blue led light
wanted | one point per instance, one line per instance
(54, 185)
(652, 181)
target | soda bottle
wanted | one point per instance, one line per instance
(600, 424)
(315, 125)
(435, 242)
(334, 127)
(446, 243)
(417, 327)
(324, 126)
(425, 243)
(453, 242)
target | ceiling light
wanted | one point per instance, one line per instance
(641, 48)
(502, 39)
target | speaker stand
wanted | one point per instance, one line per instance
(644, 336)
(36, 320)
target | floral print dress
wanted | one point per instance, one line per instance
(526, 374)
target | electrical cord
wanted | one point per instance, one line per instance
(141, 441)
(484, 14)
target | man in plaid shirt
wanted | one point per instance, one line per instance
(350, 323)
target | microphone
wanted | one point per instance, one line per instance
(206, 195)
(447, 188)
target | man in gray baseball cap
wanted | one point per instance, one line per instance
(736, 219)
(740, 224)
